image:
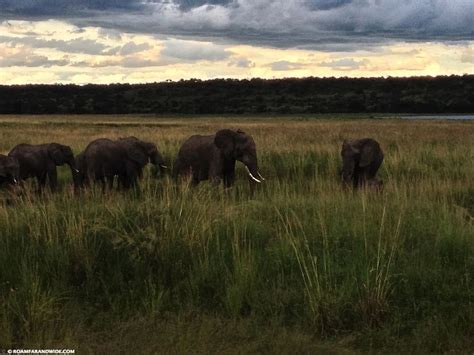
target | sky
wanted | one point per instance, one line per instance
(137, 41)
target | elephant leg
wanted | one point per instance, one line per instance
(41, 179)
(195, 177)
(53, 178)
(366, 176)
(356, 180)
(110, 182)
(134, 181)
(125, 182)
(131, 176)
(229, 179)
(101, 179)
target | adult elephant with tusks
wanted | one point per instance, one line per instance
(361, 159)
(213, 157)
(40, 162)
(9, 170)
(125, 158)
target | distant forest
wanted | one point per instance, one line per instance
(443, 94)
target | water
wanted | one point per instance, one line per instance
(437, 117)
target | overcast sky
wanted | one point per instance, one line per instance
(104, 41)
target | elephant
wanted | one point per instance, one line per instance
(40, 161)
(9, 170)
(104, 159)
(361, 160)
(213, 157)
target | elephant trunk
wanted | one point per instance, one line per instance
(73, 166)
(347, 171)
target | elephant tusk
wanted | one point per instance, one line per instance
(163, 166)
(251, 176)
(77, 170)
(260, 176)
(15, 181)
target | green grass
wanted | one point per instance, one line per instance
(302, 266)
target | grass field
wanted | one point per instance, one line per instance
(303, 266)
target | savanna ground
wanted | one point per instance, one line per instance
(302, 266)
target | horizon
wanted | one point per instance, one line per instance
(170, 81)
(137, 42)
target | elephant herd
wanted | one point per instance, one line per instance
(210, 157)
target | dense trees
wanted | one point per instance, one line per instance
(444, 94)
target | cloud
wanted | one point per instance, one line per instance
(306, 23)
(242, 63)
(87, 46)
(467, 55)
(327, 4)
(63, 8)
(189, 4)
(344, 64)
(314, 24)
(194, 51)
(284, 65)
(132, 48)
(24, 57)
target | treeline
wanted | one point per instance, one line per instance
(443, 94)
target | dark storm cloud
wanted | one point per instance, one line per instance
(189, 4)
(11, 9)
(312, 24)
(327, 4)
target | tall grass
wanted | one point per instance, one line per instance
(392, 270)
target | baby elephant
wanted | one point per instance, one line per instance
(9, 170)
(40, 161)
(361, 159)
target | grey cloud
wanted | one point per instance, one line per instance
(109, 34)
(327, 4)
(284, 65)
(189, 4)
(63, 8)
(32, 60)
(313, 24)
(191, 51)
(132, 47)
(242, 63)
(86, 46)
(344, 64)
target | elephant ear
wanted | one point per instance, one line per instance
(225, 141)
(367, 155)
(56, 154)
(137, 155)
(150, 148)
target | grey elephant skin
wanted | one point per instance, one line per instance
(361, 159)
(40, 162)
(213, 157)
(9, 170)
(104, 159)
